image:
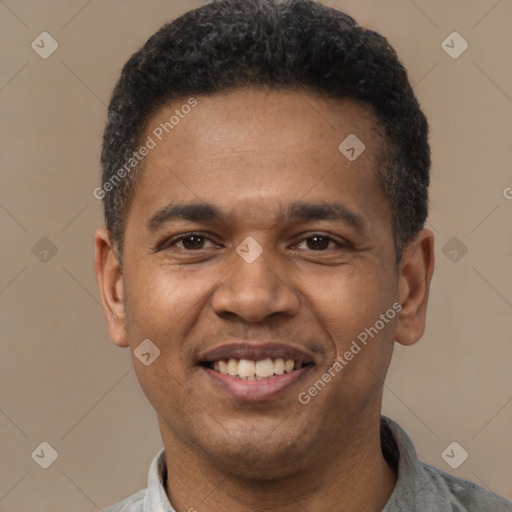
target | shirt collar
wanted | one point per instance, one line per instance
(414, 489)
(156, 499)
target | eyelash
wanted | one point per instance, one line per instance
(173, 241)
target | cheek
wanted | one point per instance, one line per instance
(346, 301)
(161, 302)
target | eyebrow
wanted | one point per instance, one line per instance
(325, 211)
(303, 211)
(194, 212)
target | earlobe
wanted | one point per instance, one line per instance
(415, 276)
(111, 286)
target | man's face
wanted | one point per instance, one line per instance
(264, 161)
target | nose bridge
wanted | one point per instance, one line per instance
(254, 288)
(256, 274)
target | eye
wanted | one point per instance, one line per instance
(188, 241)
(318, 242)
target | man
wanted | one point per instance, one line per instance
(265, 174)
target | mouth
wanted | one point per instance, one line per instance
(250, 371)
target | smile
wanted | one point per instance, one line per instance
(250, 370)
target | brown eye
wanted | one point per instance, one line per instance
(192, 242)
(318, 243)
(188, 242)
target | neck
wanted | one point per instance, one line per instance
(351, 476)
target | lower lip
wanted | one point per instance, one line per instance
(266, 389)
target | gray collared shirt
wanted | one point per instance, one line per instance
(419, 487)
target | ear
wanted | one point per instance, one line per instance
(111, 286)
(415, 274)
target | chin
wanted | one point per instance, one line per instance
(259, 455)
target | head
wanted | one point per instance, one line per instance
(228, 124)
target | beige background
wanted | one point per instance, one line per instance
(64, 382)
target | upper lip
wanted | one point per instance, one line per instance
(256, 351)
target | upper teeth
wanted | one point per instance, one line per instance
(247, 369)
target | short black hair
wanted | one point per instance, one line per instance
(276, 44)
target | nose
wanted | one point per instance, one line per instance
(253, 291)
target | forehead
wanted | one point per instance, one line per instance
(293, 120)
(260, 147)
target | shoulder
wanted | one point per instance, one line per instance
(133, 503)
(463, 495)
(421, 486)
